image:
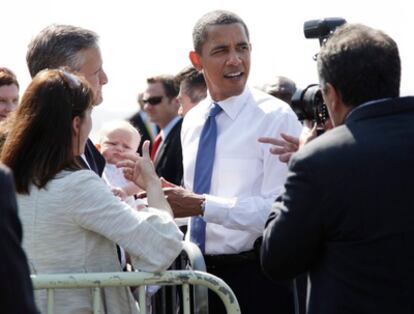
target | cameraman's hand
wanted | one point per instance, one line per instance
(283, 147)
(308, 133)
(287, 144)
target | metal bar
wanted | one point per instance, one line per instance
(186, 298)
(96, 300)
(142, 299)
(200, 293)
(177, 277)
(50, 301)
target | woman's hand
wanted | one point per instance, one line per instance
(139, 170)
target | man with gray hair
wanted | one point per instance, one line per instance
(76, 48)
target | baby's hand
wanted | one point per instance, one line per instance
(118, 192)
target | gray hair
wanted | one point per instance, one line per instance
(217, 17)
(58, 45)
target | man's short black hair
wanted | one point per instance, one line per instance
(361, 63)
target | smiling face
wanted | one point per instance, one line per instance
(224, 60)
(117, 142)
(9, 97)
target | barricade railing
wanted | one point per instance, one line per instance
(192, 259)
(97, 281)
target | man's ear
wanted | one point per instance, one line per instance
(76, 124)
(331, 96)
(336, 107)
(195, 60)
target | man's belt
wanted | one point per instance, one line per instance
(230, 259)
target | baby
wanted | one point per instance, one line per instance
(119, 137)
(116, 138)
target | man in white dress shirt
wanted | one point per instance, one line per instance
(245, 178)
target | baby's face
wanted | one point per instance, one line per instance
(114, 143)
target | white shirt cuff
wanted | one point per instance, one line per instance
(217, 208)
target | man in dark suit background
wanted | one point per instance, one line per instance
(347, 213)
(161, 105)
(16, 291)
(140, 121)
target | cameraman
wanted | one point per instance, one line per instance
(347, 214)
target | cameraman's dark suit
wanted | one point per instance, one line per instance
(16, 291)
(348, 214)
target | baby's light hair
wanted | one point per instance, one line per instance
(114, 125)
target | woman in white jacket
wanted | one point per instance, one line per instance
(71, 220)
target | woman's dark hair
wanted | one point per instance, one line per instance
(39, 142)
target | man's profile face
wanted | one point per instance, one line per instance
(93, 72)
(185, 102)
(225, 60)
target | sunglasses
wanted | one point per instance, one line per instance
(153, 101)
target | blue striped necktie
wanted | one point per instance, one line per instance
(203, 171)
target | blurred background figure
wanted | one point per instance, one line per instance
(161, 105)
(141, 122)
(193, 89)
(9, 92)
(282, 88)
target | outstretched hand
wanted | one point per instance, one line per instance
(287, 144)
(137, 169)
(283, 147)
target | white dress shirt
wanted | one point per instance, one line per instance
(246, 178)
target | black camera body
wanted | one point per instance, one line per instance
(308, 103)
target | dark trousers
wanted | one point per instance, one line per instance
(254, 291)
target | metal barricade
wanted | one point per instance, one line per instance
(192, 258)
(141, 279)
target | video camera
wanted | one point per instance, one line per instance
(308, 103)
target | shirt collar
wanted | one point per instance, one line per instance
(233, 105)
(165, 131)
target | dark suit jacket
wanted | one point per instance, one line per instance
(16, 291)
(138, 123)
(95, 160)
(169, 160)
(347, 215)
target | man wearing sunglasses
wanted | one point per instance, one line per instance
(161, 105)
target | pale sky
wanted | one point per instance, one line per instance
(139, 39)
